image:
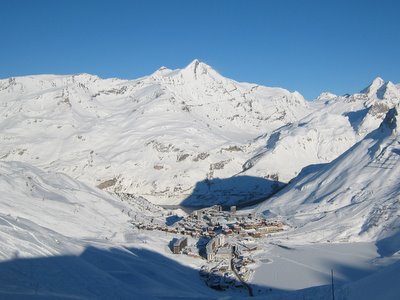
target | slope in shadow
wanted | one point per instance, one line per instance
(236, 190)
(116, 273)
(356, 117)
(98, 273)
(389, 245)
(122, 273)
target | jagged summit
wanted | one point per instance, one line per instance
(389, 91)
(197, 69)
(382, 90)
(194, 64)
(374, 86)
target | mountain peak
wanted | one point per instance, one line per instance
(382, 90)
(375, 85)
(198, 68)
(378, 81)
(196, 64)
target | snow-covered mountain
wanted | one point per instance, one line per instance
(156, 136)
(34, 200)
(382, 90)
(335, 124)
(356, 197)
(61, 239)
(186, 136)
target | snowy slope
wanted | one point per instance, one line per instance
(382, 284)
(57, 202)
(336, 124)
(356, 197)
(60, 239)
(180, 136)
(156, 136)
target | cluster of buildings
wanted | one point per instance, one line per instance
(227, 263)
(213, 221)
(216, 248)
(219, 277)
(229, 239)
(209, 222)
(240, 264)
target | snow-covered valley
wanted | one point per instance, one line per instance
(62, 239)
(83, 159)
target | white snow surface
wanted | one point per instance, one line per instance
(290, 271)
(180, 136)
(60, 239)
(334, 125)
(192, 135)
(356, 197)
(156, 136)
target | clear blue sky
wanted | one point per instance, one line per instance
(309, 46)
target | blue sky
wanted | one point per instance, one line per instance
(309, 46)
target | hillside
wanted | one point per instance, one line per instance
(356, 197)
(188, 136)
(335, 125)
(61, 239)
(156, 136)
(171, 137)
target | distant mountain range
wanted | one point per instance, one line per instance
(186, 136)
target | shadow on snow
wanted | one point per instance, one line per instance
(97, 273)
(122, 273)
(237, 190)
